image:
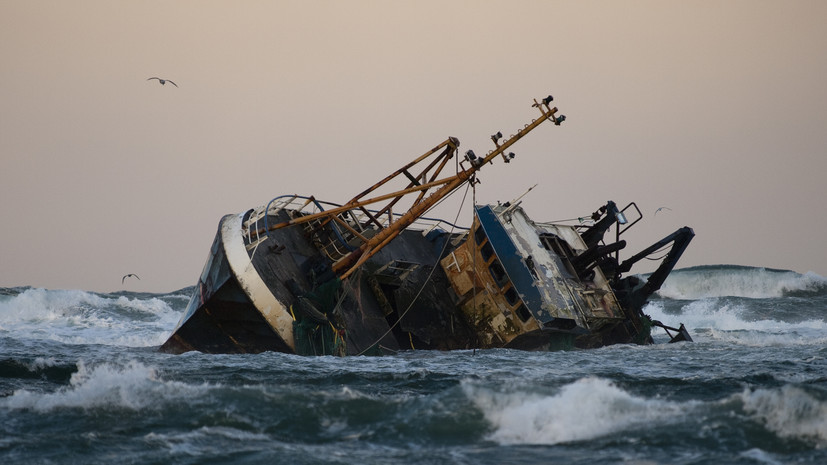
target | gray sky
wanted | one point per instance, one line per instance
(717, 110)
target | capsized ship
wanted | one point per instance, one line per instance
(376, 275)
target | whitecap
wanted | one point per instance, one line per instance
(133, 386)
(598, 407)
(761, 456)
(737, 281)
(789, 412)
(40, 363)
(80, 317)
(724, 321)
(207, 440)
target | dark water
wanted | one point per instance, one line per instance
(81, 382)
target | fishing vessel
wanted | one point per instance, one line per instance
(376, 275)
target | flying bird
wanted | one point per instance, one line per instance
(163, 81)
(662, 208)
(128, 275)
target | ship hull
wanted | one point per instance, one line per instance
(501, 283)
(231, 310)
(256, 299)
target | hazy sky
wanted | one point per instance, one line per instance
(715, 109)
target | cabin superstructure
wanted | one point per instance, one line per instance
(517, 287)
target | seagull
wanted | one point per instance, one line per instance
(130, 274)
(163, 81)
(662, 208)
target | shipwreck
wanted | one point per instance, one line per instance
(375, 275)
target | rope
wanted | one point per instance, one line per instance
(579, 219)
(648, 257)
(474, 287)
(433, 268)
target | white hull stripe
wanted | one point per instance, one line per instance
(273, 311)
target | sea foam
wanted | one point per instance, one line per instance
(724, 320)
(594, 407)
(80, 317)
(599, 407)
(133, 386)
(208, 440)
(738, 281)
(789, 412)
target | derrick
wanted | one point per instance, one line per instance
(423, 176)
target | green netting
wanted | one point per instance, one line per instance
(314, 337)
(374, 351)
(645, 332)
(326, 295)
(561, 341)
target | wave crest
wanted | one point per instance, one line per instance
(133, 387)
(789, 412)
(81, 317)
(591, 408)
(599, 407)
(739, 281)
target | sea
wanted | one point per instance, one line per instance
(82, 382)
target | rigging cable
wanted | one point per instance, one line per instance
(648, 257)
(474, 200)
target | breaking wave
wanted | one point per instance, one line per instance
(600, 407)
(739, 281)
(133, 386)
(81, 317)
(45, 368)
(593, 407)
(730, 320)
(789, 412)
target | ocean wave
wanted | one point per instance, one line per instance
(733, 321)
(598, 405)
(209, 440)
(81, 317)
(133, 386)
(789, 412)
(45, 304)
(739, 281)
(40, 368)
(593, 407)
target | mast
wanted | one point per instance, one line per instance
(419, 184)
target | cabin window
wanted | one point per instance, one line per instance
(511, 296)
(556, 245)
(479, 235)
(523, 313)
(487, 251)
(498, 273)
